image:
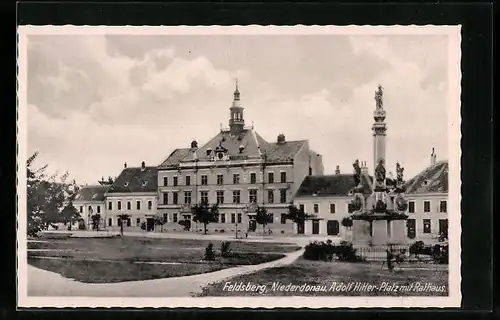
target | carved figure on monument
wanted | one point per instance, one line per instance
(380, 174)
(357, 173)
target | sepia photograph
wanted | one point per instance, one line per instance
(243, 166)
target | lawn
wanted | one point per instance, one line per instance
(320, 276)
(107, 260)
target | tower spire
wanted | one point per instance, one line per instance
(236, 121)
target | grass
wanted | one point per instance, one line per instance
(324, 274)
(108, 260)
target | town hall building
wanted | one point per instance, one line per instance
(238, 170)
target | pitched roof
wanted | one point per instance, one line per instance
(433, 179)
(254, 147)
(91, 193)
(331, 185)
(175, 158)
(280, 152)
(136, 180)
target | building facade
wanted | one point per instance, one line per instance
(133, 193)
(427, 195)
(89, 201)
(238, 170)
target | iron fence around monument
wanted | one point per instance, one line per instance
(379, 253)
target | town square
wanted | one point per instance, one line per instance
(233, 165)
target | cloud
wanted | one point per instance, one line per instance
(98, 101)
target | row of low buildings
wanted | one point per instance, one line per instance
(238, 169)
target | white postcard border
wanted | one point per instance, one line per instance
(454, 158)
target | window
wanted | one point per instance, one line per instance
(283, 177)
(252, 196)
(411, 206)
(427, 225)
(81, 208)
(188, 180)
(233, 218)
(302, 208)
(236, 196)
(204, 196)
(349, 208)
(316, 208)
(270, 177)
(271, 218)
(283, 218)
(110, 206)
(165, 198)
(332, 207)
(253, 178)
(220, 179)
(119, 205)
(129, 205)
(138, 205)
(175, 196)
(187, 197)
(110, 222)
(204, 180)
(220, 196)
(138, 222)
(239, 217)
(165, 181)
(236, 178)
(270, 196)
(222, 218)
(427, 206)
(442, 206)
(283, 196)
(176, 180)
(175, 217)
(98, 209)
(150, 205)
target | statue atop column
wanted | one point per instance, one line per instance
(379, 95)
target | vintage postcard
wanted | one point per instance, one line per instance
(243, 166)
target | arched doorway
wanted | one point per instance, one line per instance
(332, 227)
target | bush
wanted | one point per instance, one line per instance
(225, 249)
(324, 251)
(440, 253)
(143, 225)
(209, 252)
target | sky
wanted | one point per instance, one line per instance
(97, 101)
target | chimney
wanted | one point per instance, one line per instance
(281, 138)
(143, 165)
(337, 169)
(125, 165)
(364, 168)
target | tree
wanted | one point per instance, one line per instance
(96, 221)
(123, 217)
(262, 217)
(205, 214)
(297, 215)
(159, 221)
